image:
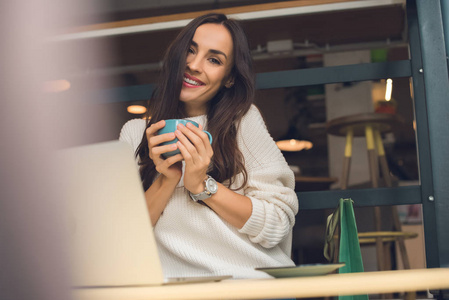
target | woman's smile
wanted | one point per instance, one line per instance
(191, 81)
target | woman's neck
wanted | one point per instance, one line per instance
(195, 111)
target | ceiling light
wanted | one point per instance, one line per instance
(389, 89)
(136, 109)
(56, 86)
(294, 145)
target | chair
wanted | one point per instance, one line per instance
(371, 126)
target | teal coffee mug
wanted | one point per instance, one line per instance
(171, 126)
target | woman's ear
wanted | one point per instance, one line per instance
(229, 83)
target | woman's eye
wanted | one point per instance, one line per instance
(191, 51)
(215, 61)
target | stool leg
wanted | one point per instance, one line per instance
(372, 156)
(387, 177)
(401, 242)
(382, 158)
(379, 244)
(374, 179)
(347, 159)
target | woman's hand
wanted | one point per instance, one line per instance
(171, 167)
(197, 153)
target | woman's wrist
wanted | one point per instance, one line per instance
(197, 188)
(168, 181)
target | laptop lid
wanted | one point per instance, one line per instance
(110, 234)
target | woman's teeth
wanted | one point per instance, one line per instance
(190, 81)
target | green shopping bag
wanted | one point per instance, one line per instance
(349, 246)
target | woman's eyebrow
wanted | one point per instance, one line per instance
(194, 44)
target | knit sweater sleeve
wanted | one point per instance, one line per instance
(132, 132)
(270, 184)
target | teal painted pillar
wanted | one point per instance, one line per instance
(445, 14)
(436, 83)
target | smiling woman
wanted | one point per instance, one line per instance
(224, 208)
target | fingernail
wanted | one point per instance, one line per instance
(178, 132)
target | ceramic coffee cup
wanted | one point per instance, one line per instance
(171, 126)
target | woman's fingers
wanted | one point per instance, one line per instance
(204, 137)
(192, 139)
(157, 151)
(186, 143)
(151, 131)
(199, 132)
(173, 159)
(167, 163)
(153, 141)
(170, 167)
(185, 152)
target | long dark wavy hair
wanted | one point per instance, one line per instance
(225, 109)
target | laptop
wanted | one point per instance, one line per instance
(110, 234)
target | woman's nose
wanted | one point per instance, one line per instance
(195, 64)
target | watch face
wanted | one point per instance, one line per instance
(211, 186)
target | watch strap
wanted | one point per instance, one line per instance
(204, 194)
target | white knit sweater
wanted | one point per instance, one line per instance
(194, 241)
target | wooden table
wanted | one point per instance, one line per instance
(302, 287)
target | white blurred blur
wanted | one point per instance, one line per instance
(33, 124)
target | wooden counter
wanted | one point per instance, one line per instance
(302, 287)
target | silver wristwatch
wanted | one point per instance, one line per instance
(210, 188)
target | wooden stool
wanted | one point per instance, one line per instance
(372, 125)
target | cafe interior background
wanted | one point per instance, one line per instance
(133, 35)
